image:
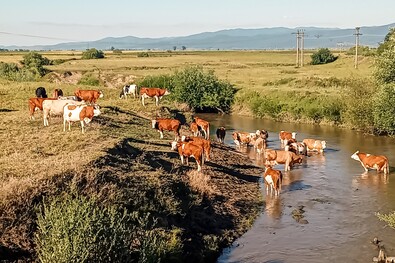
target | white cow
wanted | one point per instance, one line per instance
(55, 107)
(82, 113)
(128, 89)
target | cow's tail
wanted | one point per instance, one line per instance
(208, 132)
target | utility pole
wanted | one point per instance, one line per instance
(357, 34)
(299, 47)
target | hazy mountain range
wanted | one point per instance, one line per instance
(260, 38)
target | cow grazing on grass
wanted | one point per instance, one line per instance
(369, 161)
(82, 113)
(156, 93)
(128, 90)
(55, 107)
(314, 145)
(189, 149)
(286, 136)
(205, 144)
(41, 92)
(273, 180)
(167, 125)
(245, 138)
(36, 104)
(57, 93)
(90, 96)
(204, 126)
(287, 158)
(221, 132)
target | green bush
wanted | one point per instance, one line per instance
(384, 67)
(384, 110)
(322, 56)
(388, 218)
(11, 71)
(160, 81)
(201, 90)
(92, 53)
(35, 63)
(143, 55)
(77, 229)
(89, 79)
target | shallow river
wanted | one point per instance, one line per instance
(339, 200)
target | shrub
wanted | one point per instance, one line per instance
(77, 229)
(322, 56)
(388, 218)
(143, 55)
(160, 81)
(89, 79)
(35, 63)
(11, 71)
(92, 53)
(384, 111)
(201, 90)
(384, 67)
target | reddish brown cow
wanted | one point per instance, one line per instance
(194, 129)
(245, 138)
(205, 144)
(287, 158)
(36, 104)
(315, 145)
(204, 126)
(167, 125)
(189, 149)
(273, 179)
(260, 145)
(285, 136)
(369, 161)
(156, 93)
(90, 96)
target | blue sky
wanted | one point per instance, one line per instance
(31, 22)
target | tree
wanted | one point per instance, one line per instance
(388, 43)
(183, 47)
(92, 53)
(35, 63)
(174, 48)
(322, 56)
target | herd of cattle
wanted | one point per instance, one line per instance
(82, 107)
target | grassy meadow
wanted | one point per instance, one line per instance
(121, 160)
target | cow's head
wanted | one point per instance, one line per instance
(174, 145)
(166, 92)
(294, 135)
(355, 156)
(101, 94)
(153, 122)
(323, 144)
(96, 110)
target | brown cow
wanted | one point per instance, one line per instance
(263, 134)
(296, 147)
(245, 138)
(194, 129)
(260, 145)
(90, 96)
(273, 179)
(204, 126)
(36, 104)
(287, 158)
(156, 93)
(315, 145)
(81, 113)
(221, 132)
(205, 144)
(189, 149)
(369, 161)
(286, 136)
(167, 125)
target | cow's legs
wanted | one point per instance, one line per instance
(161, 134)
(142, 100)
(156, 100)
(182, 159)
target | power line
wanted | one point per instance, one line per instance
(299, 47)
(35, 36)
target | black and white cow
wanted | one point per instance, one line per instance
(41, 92)
(128, 90)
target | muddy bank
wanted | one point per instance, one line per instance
(141, 173)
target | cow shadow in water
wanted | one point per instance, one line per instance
(7, 110)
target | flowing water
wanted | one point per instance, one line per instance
(339, 199)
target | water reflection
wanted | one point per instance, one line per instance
(273, 206)
(369, 179)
